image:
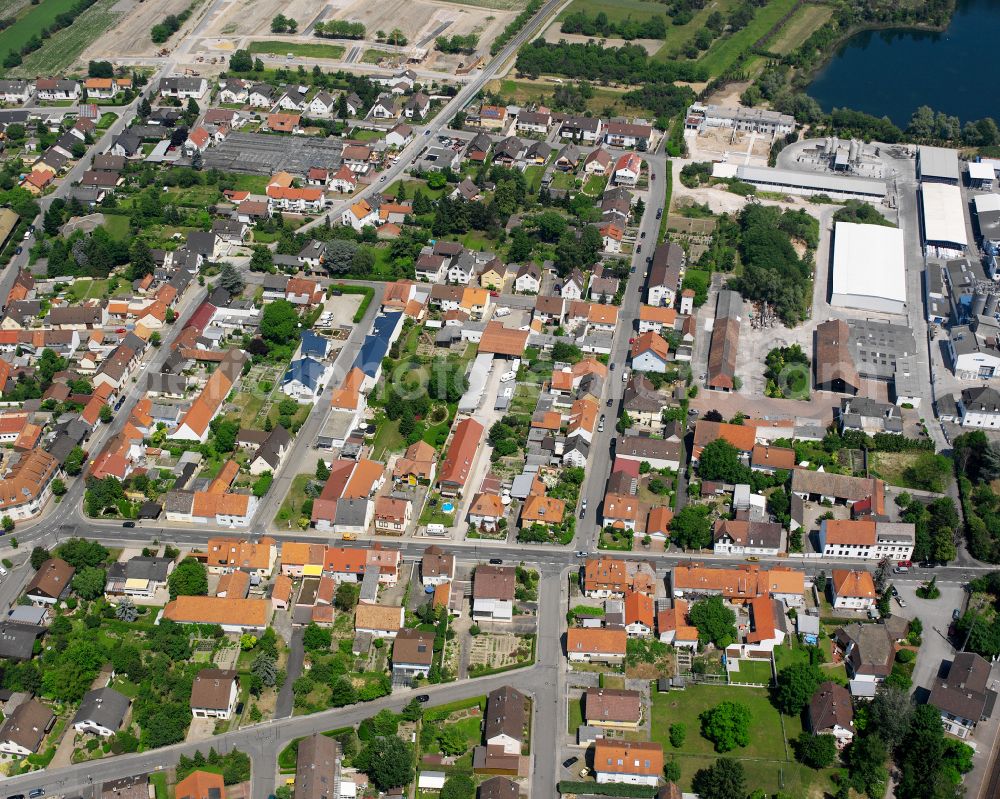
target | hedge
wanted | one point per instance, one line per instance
(610, 789)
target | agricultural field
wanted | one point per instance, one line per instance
(724, 52)
(62, 50)
(333, 51)
(679, 35)
(31, 22)
(806, 20)
(623, 9)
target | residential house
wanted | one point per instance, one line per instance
(613, 708)
(831, 712)
(215, 693)
(964, 695)
(628, 762)
(866, 539)
(528, 279)
(493, 589)
(51, 582)
(379, 621)
(628, 169)
(462, 451)
(852, 588)
(101, 712)
(505, 719)
(627, 135)
(740, 537)
(596, 645)
(412, 656)
(24, 730)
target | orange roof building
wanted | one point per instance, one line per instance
(542, 510)
(232, 614)
(639, 614)
(740, 436)
(500, 340)
(201, 785)
(636, 762)
(457, 465)
(596, 644)
(740, 583)
(852, 588)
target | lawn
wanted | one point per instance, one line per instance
(755, 671)
(804, 22)
(412, 185)
(334, 51)
(617, 10)
(724, 52)
(387, 438)
(107, 120)
(767, 761)
(566, 181)
(292, 506)
(193, 196)
(533, 177)
(892, 467)
(159, 781)
(82, 290)
(365, 135)
(595, 185)
(255, 184)
(374, 56)
(575, 715)
(61, 50)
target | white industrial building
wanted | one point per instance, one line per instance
(809, 183)
(943, 220)
(868, 269)
(937, 165)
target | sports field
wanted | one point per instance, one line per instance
(333, 51)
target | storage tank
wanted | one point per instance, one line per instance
(853, 156)
(978, 302)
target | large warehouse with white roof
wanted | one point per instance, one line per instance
(809, 183)
(943, 219)
(868, 268)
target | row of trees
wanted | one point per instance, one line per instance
(339, 29)
(169, 26)
(600, 25)
(629, 64)
(282, 24)
(457, 43)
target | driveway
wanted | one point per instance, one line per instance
(296, 653)
(936, 617)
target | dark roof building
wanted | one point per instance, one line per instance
(963, 696)
(102, 711)
(317, 768)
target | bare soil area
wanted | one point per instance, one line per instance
(130, 36)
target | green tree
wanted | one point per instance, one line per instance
(279, 322)
(459, 785)
(240, 61)
(387, 761)
(816, 751)
(316, 638)
(716, 623)
(727, 725)
(88, 582)
(322, 471)
(73, 464)
(189, 578)
(346, 597)
(452, 741)
(866, 758)
(106, 414)
(720, 461)
(230, 279)
(722, 780)
(795, 686)
(678, 732)
(690, 528)
(265, 669)
(38, 556)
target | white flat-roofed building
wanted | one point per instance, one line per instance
(943, 219)
(937, 165)
(810, 183)
(868, 268)
(981, 174)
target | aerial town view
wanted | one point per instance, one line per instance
(499, 399)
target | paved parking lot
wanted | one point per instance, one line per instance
(264, 154)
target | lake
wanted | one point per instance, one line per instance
(893, 72)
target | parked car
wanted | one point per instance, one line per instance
(496, 561)
(423, 697)
(573, 760)
(901, 601)
(128, 524)
(956, 614)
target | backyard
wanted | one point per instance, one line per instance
(768, 760)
